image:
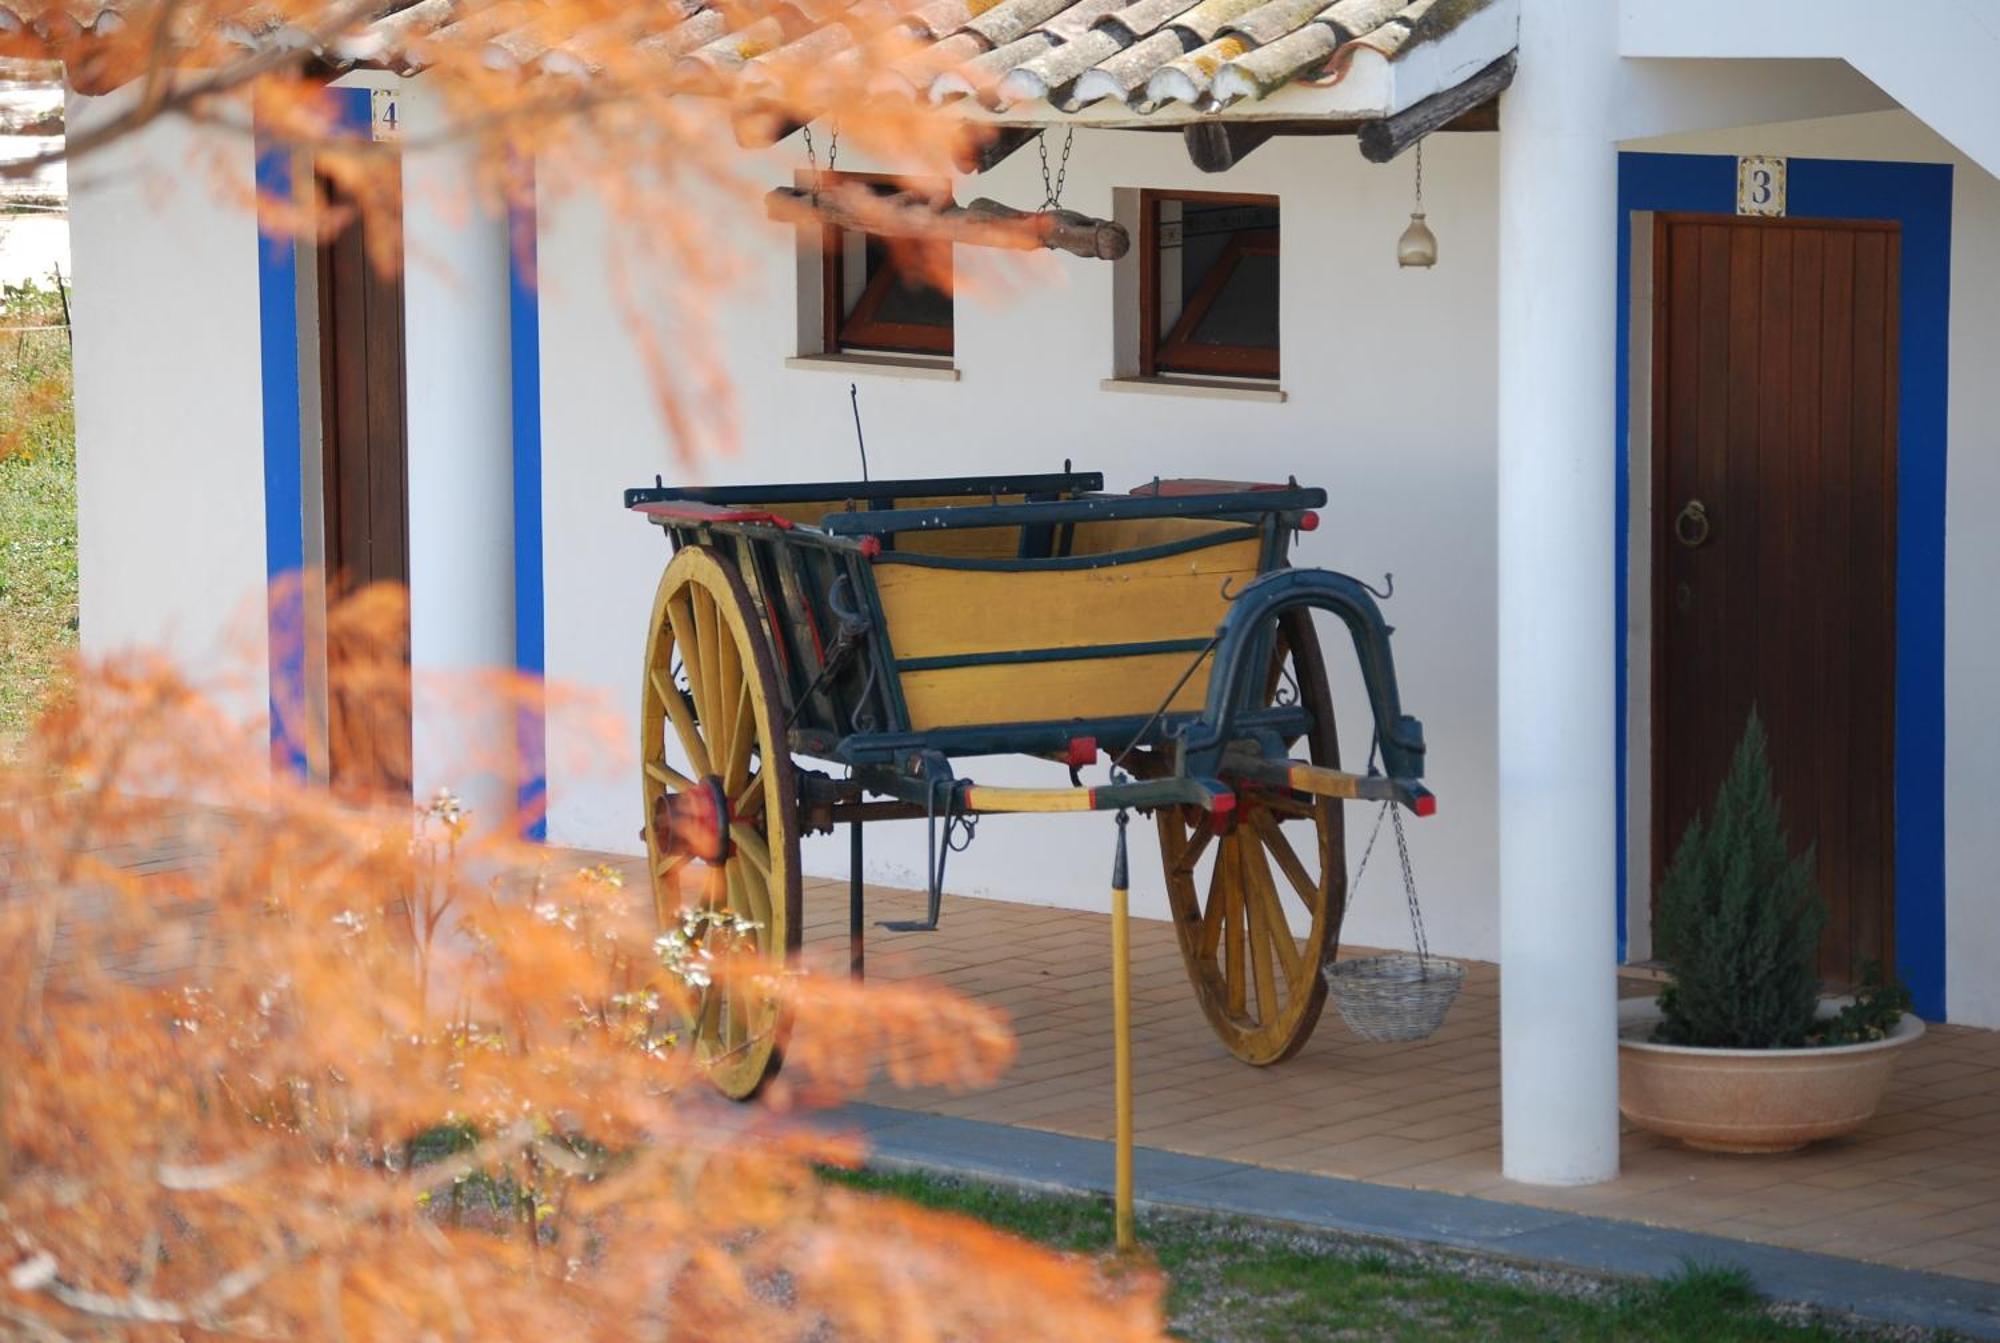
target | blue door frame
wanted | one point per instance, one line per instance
(284, 443)
(1917, 196)
(284, 493)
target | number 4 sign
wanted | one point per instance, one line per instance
(385, 114)
(1760, 185)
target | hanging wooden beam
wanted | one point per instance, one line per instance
(1218, 146)
(980, 148)
(984, 223)
(1383, 140)
(759, 125)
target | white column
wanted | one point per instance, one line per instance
(1558, 298)
(461, 481)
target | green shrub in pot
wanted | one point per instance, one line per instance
(1738, 921)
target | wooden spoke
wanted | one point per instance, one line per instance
(680, 617)
(1258, 983)
(1274, 839)
(1264, 898)
(728, 723)
(1197, 844)
(742, 736)
(1261, 934)
(676, 706)
(709, 697)
(1211, 921)
(667, 775)
(1229, 878)
(751, 845)
(756, 887)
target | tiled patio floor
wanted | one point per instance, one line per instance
(1920, 1188)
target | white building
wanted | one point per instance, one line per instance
(1711, 321)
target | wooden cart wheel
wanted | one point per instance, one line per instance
(711, 736)
(1278, 867)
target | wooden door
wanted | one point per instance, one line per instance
(1774, 503)
(367, 514)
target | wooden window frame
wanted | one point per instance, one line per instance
(861, 332)
(1176, 351)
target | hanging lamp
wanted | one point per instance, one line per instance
(1418, 246)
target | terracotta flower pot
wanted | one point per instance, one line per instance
(1751, 1100)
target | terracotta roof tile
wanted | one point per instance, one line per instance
(1069, 54)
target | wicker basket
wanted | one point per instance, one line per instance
(1394, 997)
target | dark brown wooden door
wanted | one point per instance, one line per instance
(367, 514)
(1774, 498)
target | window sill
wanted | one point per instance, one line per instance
(1206, 387)
(887, 366)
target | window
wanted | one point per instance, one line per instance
(1208, 286)
(884, 295)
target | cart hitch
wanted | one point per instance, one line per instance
(695, 822)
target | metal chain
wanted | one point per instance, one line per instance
(1420, 177)
(1395, 815)
(812, 159)
(1052, 194)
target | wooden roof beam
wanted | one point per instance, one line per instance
(1218, 146)
(1383, 140)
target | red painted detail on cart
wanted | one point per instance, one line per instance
(1308, 521)
(1082, 752)
(1425, 804)
(812, 628)
(871, 546)
(1222, 804)
(690, 510)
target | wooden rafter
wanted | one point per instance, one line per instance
(1383, 140)
(983, 223)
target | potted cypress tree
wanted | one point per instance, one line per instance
(1739, 1053)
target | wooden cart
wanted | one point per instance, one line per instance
(891, 628)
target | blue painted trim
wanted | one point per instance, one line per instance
(1918, 196)
(525, 342)
(284, 486)
(284, 499)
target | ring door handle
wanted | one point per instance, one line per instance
(1691, 525)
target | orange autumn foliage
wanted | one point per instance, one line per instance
(555, 101)
(281, 1064)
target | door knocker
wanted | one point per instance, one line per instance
(1691, 525)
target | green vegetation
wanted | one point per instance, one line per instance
(38, 617)
(1250, 1283)
(1738, 920)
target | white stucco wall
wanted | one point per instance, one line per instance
(1391, 401)
(1972, 542)
(459, 382)
(170, 474)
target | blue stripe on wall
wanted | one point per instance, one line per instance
(284, 506)
(1918, 196)
(284, 487)
(531, 727)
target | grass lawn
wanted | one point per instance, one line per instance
(37, 504)
(1247, 1283)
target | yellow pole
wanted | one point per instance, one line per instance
(1121, 1018)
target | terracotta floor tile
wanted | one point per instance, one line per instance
(1919, 1187)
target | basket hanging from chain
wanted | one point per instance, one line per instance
(1400, 995)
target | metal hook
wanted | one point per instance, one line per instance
(1229, 581)
(1383, 593)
